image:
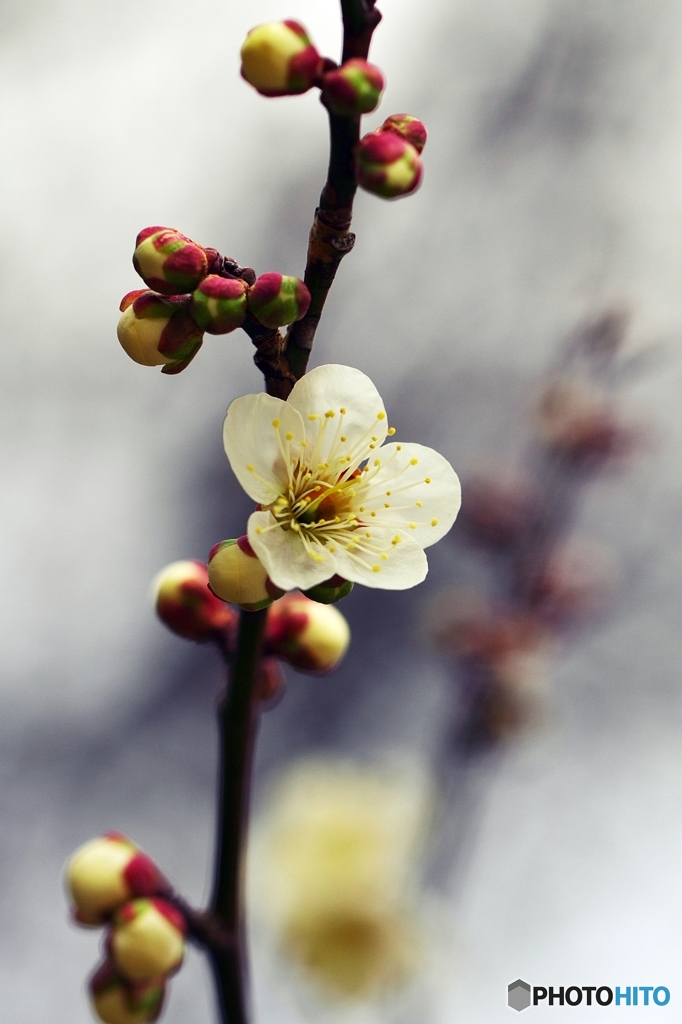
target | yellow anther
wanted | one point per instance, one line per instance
(362, 508)
(251, 469)
(342, 411)
(427, 480)
(387, 504)
(343, 439)
(388, 494)
(413, 462)
(259, 529)
(377, 462)
(413, 526)
(289, 436)
(367, 533)
(376, 568)
(419, 504)
(375, 438)
(381, 415)
(332, 548)
(313, 416)
(330, 414)
(391, 431)
(372, 513)
(385, 557)
(396, 540)
(275, 424)
(372, 446)
(434, 522)
(398, 447)
(304, 444)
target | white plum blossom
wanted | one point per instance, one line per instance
(333, 498)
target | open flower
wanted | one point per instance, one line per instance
(334, 499)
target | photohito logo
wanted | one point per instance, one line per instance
(520, 995)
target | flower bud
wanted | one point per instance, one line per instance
(236, 575)
(310, 636)
(116, 1001)
(578, 421)
(330, 591)
(353, 89)
(219, 304)
(155, 331)
(387, 165)
(185, 604)
(106, 872)
(276, 300)
(147, 939)
(278, 59)
(168, 262)
(411, 129)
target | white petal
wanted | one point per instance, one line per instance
(393, 567)
(425, 511)
(252, 446)
(285, 556)
(329, 389)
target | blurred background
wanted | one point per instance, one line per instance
(552, 193)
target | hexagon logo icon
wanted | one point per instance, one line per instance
(518, 995)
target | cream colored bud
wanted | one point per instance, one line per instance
(310, 636)
(95, 877)
(140, 338)
(236, 575)
(147, 940)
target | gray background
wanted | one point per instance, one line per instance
(552, 190)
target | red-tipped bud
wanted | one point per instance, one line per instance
(106, 872)
(387, 165)
(147, 939)
(185, 604)
(236, 575)
(157, 331)
(278, 59)
(168, 262)
(310, 636)
(353, 89)
(116, 1001)
(411, 129)
(330, 591)
(276, 300)
(219, 304)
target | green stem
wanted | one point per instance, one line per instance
(238, 719)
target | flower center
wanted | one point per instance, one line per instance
(316, 505)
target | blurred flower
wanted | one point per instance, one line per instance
(106, 872)
(117, 1001)
(278, 59)
(185, 604)
(147, 939)
(575, 584)
(336, 851)
(577, 419)
(495, 511)
(331, 502)
(310, 636)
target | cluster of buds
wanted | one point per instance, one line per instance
(191, 291)
(388, 161)
(279, 59)
(112, 883)
(196, 601)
